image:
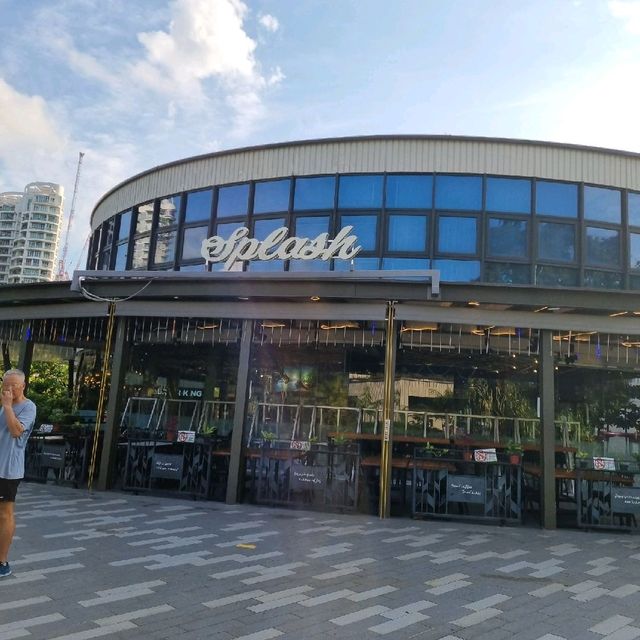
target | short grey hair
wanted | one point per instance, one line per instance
(14, 372)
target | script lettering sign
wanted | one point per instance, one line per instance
(625, 500)
(308, 477)
(277, 246)
(465, 488)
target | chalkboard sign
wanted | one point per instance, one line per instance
(167, 465)
(465, 488)
(52, 455)
(625, 500)
(307, 477)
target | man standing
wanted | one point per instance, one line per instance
(17, 417)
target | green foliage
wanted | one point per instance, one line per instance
(268, 436)
(339, 439)
(498, 398)
(581, 454)
(208, 430)
(48, 389)
(513, 448)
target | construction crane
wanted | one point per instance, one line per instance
(62, 271)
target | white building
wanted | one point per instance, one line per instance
(30, 226)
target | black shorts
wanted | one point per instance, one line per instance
(8, 490)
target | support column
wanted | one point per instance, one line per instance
(236, 460)
(546, 377)
(112, 423)
(384, 506)
(26, 350)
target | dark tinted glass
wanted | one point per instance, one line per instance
(602, 247)
(233, 201)
(311, 227)
(602, 204)
(360, 192)
(314, 193)
(556, 199)
(547, 276)
(144, 217)
(169, 211)
(121, 257)
(262, 228)
(634, 209)
(509, 195)
(405, 263)
(309, 265)
(105, 260)
(198, 206)
(409, 192)
(407, 233)
(634, 283)
(459, 192)
(357, 264)
(556, 242)
(107, 233)
(507, 273)
(271, 196)
(457, 235)
(602, 279)
(125, 225)
(634, 250)
(365, 228)
(192, 242)
(507, 238)
(165, 247)
(458, 270)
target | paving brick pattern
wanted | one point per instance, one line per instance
(115, 565)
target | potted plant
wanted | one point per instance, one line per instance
(267, 437)
(581, 459)
(514, 450)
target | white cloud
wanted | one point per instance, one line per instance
(269, 22)
(629, 11)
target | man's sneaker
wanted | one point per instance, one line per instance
(5, 569)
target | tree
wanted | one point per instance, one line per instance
(48, 388)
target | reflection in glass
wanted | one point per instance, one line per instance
(602, 204)
(360, 192)
(262, 228)
(407, 233)
(365, 228)
(107, 233)
(144, 217)
(233, 201)
(556, 241)
(165, 247)
(309, 265)
(357, 264)
(314, 193)
(225, 229)
(198, 206)
(459, 192)
(634, 283)
(510, 195)
(192, 242)
(602, 279)
(121, 257)
(548, 276)
(556, 199)
(457, 234)
(633, 203)
(405, 263)
(169, 211)
(311, 227)
(409, 192)
(507, 238)
(265, 265)
(201, 266)
(271, 196)
(125, 225)
(458, 270)
(140, 256)
(634, 250)
(507, 273)
(603, 247)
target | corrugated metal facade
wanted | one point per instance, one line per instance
(403, 154)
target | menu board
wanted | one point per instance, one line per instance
(167, 465)
(52, 456)
(625, 500)
(466, 488)
(308, 477)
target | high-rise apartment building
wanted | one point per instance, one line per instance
(30, 226)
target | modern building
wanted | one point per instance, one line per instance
(390, 290)
(30, 227)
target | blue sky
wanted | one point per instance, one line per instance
(134, 84)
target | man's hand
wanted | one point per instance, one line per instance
(7, 398)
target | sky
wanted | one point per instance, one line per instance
(137, 83)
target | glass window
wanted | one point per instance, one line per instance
(507, 273)
(265, 265)
(192, 242)
(634, 250)
(602, 204)
(105, 260)
(634, 283)
(198, 206)
(510, 195)
(357, 264)
(365, 228)
(309, 265)
(169, 211)
(602, 247)
(144, 217)
(556, 242)
(194, 267)
(360, 192)
(121, 257)
(407, 233)
(165, 247)
(557, 199)
(458, 270)
(271, 196)
(547, 276)
(459, 192)
(507, 238)
(140, 253)
(634, 209)
(457, 235)
(311, 227)
(314, 193)
(107, 233)
(226, 229)
(602, 279)
(125, 225)
(405, 263)
(262, 228)
(409, 192)
(233, 201)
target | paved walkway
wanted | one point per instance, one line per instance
(114, 565)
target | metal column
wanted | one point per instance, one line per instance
(547, 430)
